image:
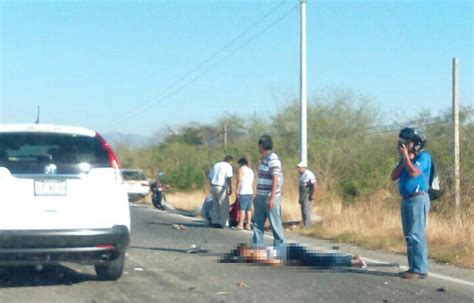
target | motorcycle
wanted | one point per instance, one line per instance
(158, 197)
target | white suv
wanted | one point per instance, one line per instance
(62, 198)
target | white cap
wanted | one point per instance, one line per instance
(302, 165)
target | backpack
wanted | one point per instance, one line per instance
(434, 191)
(234, 213)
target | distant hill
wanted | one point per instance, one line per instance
(135, 140)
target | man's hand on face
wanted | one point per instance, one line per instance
(404, 151)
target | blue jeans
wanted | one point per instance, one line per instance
(262, 212)
(414, 218)
(307, 257)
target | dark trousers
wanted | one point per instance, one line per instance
(306, 210)
(307, 257)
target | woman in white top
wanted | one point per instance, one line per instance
(244, 189)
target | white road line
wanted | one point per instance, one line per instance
(430, 274)
(402, 267)
(451, 279)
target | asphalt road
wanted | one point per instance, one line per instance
(159, 269)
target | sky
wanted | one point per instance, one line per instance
(137, 66)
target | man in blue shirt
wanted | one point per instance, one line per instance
(413, 173)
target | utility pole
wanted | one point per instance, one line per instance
(38, 115)
(303, 88)
(457, 172)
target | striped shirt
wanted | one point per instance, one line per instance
(269, 167)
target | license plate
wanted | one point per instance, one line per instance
(50, 188)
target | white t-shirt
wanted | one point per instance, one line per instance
(219, 173)
(307, 178)
(246, 181)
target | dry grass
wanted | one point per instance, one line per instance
(191, 201)
(373, 223)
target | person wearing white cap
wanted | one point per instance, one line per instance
(307, 185)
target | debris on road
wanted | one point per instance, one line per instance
(195, 249)
(179, 227)
(242, 284)
(441, 289)
(138, 269)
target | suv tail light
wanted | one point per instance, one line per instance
(114, 160)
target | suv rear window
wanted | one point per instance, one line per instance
(130, 175)
(32, 153)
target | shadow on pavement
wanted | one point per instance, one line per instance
(196, 251)
(51, 275)
(341, 270)
(372, 272)
(193, 225)
(183, 251)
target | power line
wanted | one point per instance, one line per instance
(212, 67)
(381, 129)
(153, 101)
(423, 121)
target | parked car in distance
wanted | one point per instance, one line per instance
(62, 199)
(136, 183)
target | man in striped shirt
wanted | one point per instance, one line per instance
(268, 200)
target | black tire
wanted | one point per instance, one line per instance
(157, 199)
(111, 270)
(163, 202)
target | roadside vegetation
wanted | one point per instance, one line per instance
(352, 149)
